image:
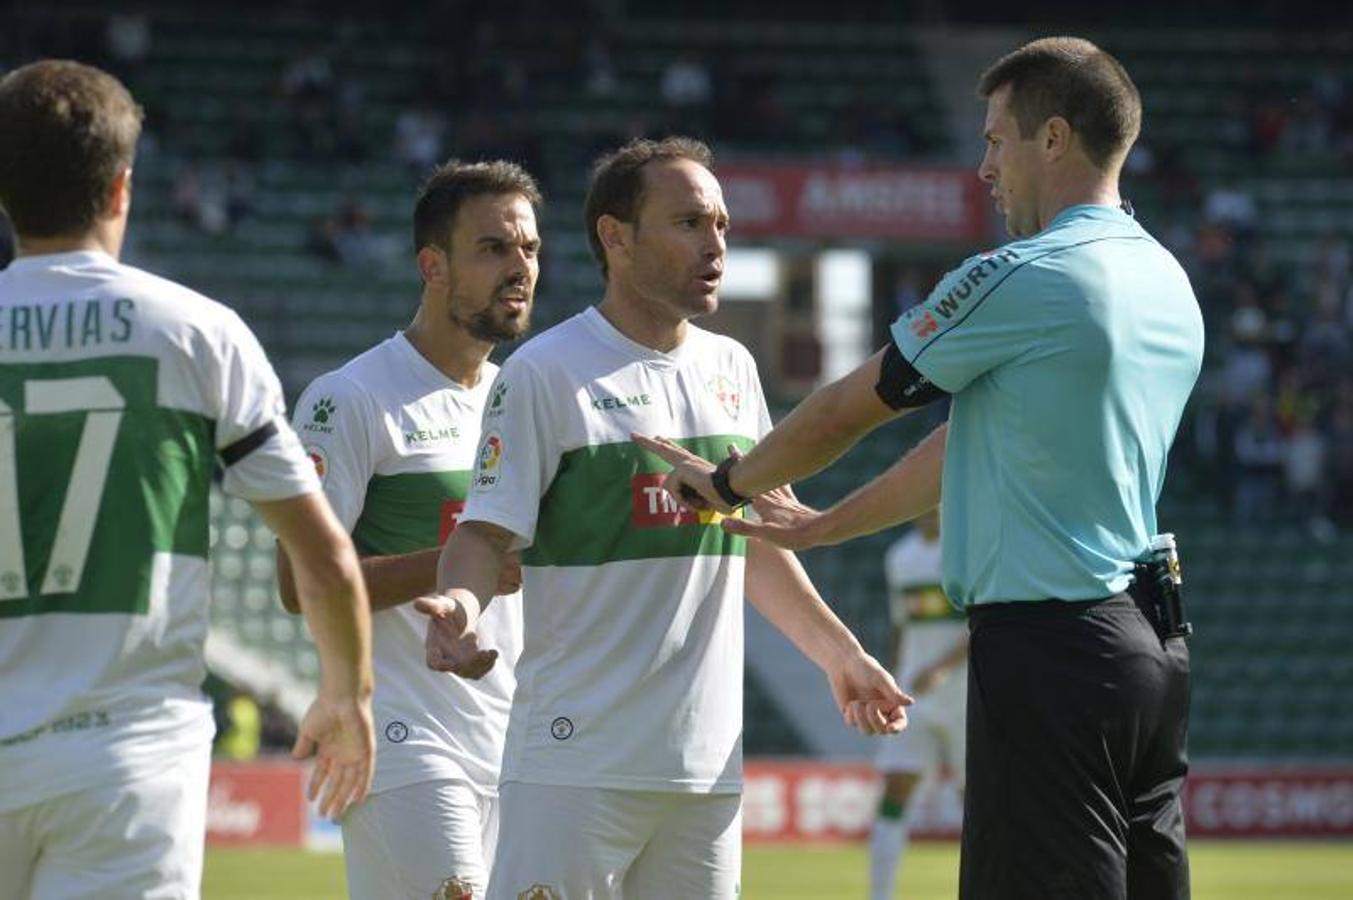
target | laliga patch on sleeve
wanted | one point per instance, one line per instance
(490, 456)
(318, 457)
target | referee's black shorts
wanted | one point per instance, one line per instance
(1077, 724)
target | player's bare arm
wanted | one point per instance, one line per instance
(866, 694)
(337, 728)
(907, 489)
(816, 433)
(395, 580)
(469, 571)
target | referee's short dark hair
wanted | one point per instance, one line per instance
(454, 182)
(617, 187)
(1072, 78)
(66, 131)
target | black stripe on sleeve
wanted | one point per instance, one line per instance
(248, 444)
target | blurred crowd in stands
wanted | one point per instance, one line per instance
(1273, 418)
(1272, 424)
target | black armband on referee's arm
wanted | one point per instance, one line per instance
(900, 386)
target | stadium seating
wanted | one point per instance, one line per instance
(1273, 673)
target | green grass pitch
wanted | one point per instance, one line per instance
(1222, 870)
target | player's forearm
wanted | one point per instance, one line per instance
(779, 589)
(336, 608)
(909, 488)
(469, 565)
(329, 590)
(394, 580)
(816, 433)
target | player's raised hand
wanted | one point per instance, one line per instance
(868, 697)
(451, 645)
(339, 734)
(781, 520)
(689, 482)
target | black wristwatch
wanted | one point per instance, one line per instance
(725, 490)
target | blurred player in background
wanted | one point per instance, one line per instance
(393, 434)
(623, 768)
(119, 393)
(928, 645)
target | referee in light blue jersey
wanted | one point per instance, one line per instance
(1069, 354)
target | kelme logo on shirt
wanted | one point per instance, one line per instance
(495, 407)
(320, 413)
(726, 391)
(422, 436)
(653, 507)
(490, 454)
(612, 403)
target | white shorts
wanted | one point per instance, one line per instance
(936, 734)
(131, 839)
(574, 843)
(434, 839)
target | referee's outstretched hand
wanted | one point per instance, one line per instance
(691, 480)
(781, 520)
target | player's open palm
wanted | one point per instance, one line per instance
(339, 734)
(868, 697)
(780, 519)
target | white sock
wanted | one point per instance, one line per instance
(887, 843)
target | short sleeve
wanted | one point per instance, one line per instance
(262, 457)
(977, 318)
(519, 452)
(334, 423)
(763, 422)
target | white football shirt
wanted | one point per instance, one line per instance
(631, 672)
(119, 391)
(930, 624)
(394, 440)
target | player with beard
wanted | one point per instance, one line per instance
(623, 768)
(393, 435)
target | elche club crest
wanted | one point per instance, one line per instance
(726, 391)
(454, 888)
(539, 892)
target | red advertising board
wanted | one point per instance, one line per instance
(830, 201)
(787, 801)
(1270, 802)
(256, 803)
(811, 801)
(794, 801)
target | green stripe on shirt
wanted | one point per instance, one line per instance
(606, 504)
